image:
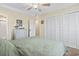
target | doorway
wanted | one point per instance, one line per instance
(31, 28)
(3, 27)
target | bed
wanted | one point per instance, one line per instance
(33, 46)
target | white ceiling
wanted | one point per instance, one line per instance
(22, 7)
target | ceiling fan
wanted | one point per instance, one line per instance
(37, 5)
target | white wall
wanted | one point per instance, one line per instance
(12, 16)
(64, 28)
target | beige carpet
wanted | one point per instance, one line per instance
(72, 52)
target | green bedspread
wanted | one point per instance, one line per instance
(7, 48)
(31, 47)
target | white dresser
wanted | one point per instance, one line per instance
(19, 34)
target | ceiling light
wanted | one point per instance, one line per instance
(35, 5)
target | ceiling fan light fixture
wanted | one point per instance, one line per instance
(35, 6)
(38, 5)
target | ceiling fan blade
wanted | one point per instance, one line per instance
(47, 4)
(29, 8)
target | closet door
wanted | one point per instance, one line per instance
(49, 28)
(77, 29)
(65, 29)
(53, 28)
(72, 29)
(69, 30)
(57, 27)
(61, 28)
